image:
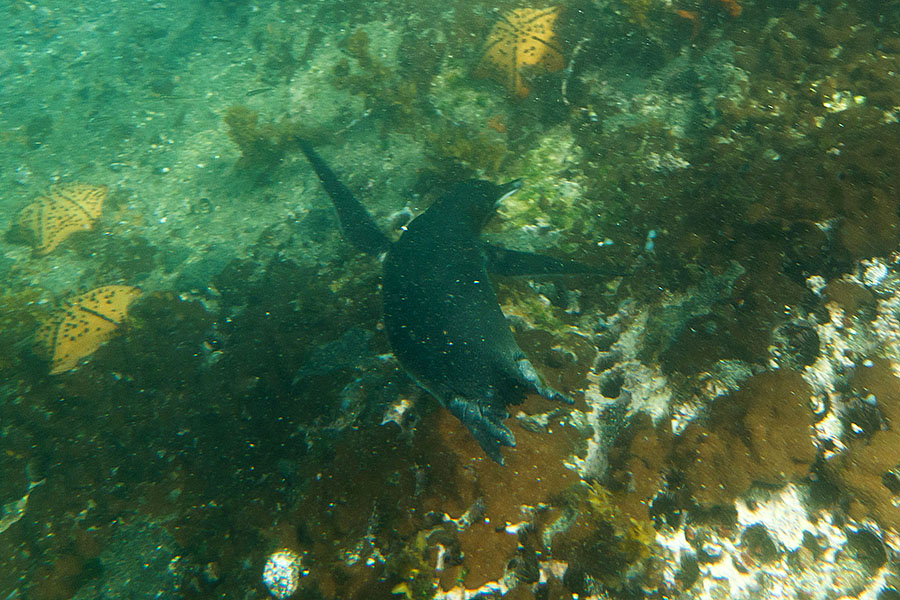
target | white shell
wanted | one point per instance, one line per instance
(281, 574)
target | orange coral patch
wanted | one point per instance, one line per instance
(734, 9)
(83, 324)
(521, 39)
(497, 123)
(694, 17)
(66, 209)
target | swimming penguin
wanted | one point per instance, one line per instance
(442, 317)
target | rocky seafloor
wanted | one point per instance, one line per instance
(736, 432)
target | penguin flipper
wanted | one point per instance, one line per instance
(502, 261)
(485, 423)
(357, 224)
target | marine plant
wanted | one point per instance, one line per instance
(410, 563)
(262, 146)
(395, 97)
(603, 546)
(732, 7)
(459, 151)
(638, 11)
(385, 92)
(20, 313)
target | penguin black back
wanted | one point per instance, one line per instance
(441, 313)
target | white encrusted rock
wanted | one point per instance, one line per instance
(282, 573)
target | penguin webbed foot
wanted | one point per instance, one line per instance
(526, 373)
(485, 422)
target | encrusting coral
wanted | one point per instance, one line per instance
(867, 471)
(521, 39)
(262, 146)
(759, 434)
(65, 209)
(436, 507)
(82, 324)
(638, 465)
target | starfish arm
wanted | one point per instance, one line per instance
(549, 44)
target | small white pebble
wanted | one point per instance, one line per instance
(816, 284)
(875, 272)
(282, 573)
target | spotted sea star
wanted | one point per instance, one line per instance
(520, 39)
(64, 210)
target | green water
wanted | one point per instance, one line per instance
(735, 432)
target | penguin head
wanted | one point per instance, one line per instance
(475, 201)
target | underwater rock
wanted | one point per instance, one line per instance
(626, 380)
(757, 544)
(350, 349)
(199, 271)
(13, 511)
(795, 345)
(783, 540)
(139, 562)
(669, 321)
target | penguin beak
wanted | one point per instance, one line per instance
(508, 189)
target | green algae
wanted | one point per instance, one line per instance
(20, 312)
(602, 545)
(548, 200)
(386, 93)
(262, 146)
(786, 176)
(460, 152)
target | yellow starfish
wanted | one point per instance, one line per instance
(67, 208)
(520, 39)
(83, 324)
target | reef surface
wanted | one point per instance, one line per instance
(736, 432)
